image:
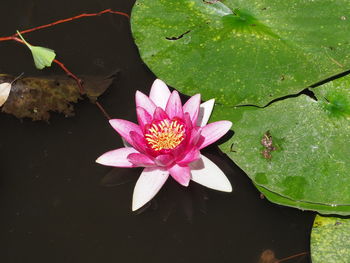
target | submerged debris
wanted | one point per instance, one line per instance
(36, 97)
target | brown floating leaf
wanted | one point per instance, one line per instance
(268, 256)
(36, 97)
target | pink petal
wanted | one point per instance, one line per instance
(180, 149)
(159, 93)
(214, 131)
(140, 160)
(191, 156)
(192, 107)
(188, 122)
(124, 127)
(147, 186)
(144, 102)
(138, 141)
(206, 173)
(195, 136)
(174, 106)
(143, 117)
(164, 160)
(205, 110)
(182, 174)
(117, 158)
(160, 114)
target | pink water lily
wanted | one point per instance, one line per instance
(167, 141)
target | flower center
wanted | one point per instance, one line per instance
(165, 134)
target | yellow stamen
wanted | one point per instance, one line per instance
(165, 135)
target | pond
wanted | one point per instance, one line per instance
(58, 205)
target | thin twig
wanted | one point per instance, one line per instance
(291, 257)
(70, 74)
(64, 21)
(102, 110)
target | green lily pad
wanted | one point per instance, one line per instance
(343, 210)
(330, 240)
(297, 148)
(243, 51)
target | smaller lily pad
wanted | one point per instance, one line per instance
(330, 240)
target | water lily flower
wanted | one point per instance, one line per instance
(167, 141)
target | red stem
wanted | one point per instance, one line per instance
(81, 86)
(64, 21)
(291, 257)
(102, 110)
(70, 74)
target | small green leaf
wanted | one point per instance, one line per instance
(330, 240)
(43, 56)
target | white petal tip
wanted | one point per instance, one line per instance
(185, 184)
(228, 125)
(147, 186)
(218, 186)
(159, 93)
(205, 110)
(226, 188)
(159, 82)
(138, 203)
(136, 206)
(113, 122)
(208, 174)
(99, 160)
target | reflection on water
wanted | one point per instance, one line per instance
(176, 199)
(180, 201)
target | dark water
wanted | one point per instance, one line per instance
(57, 205)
